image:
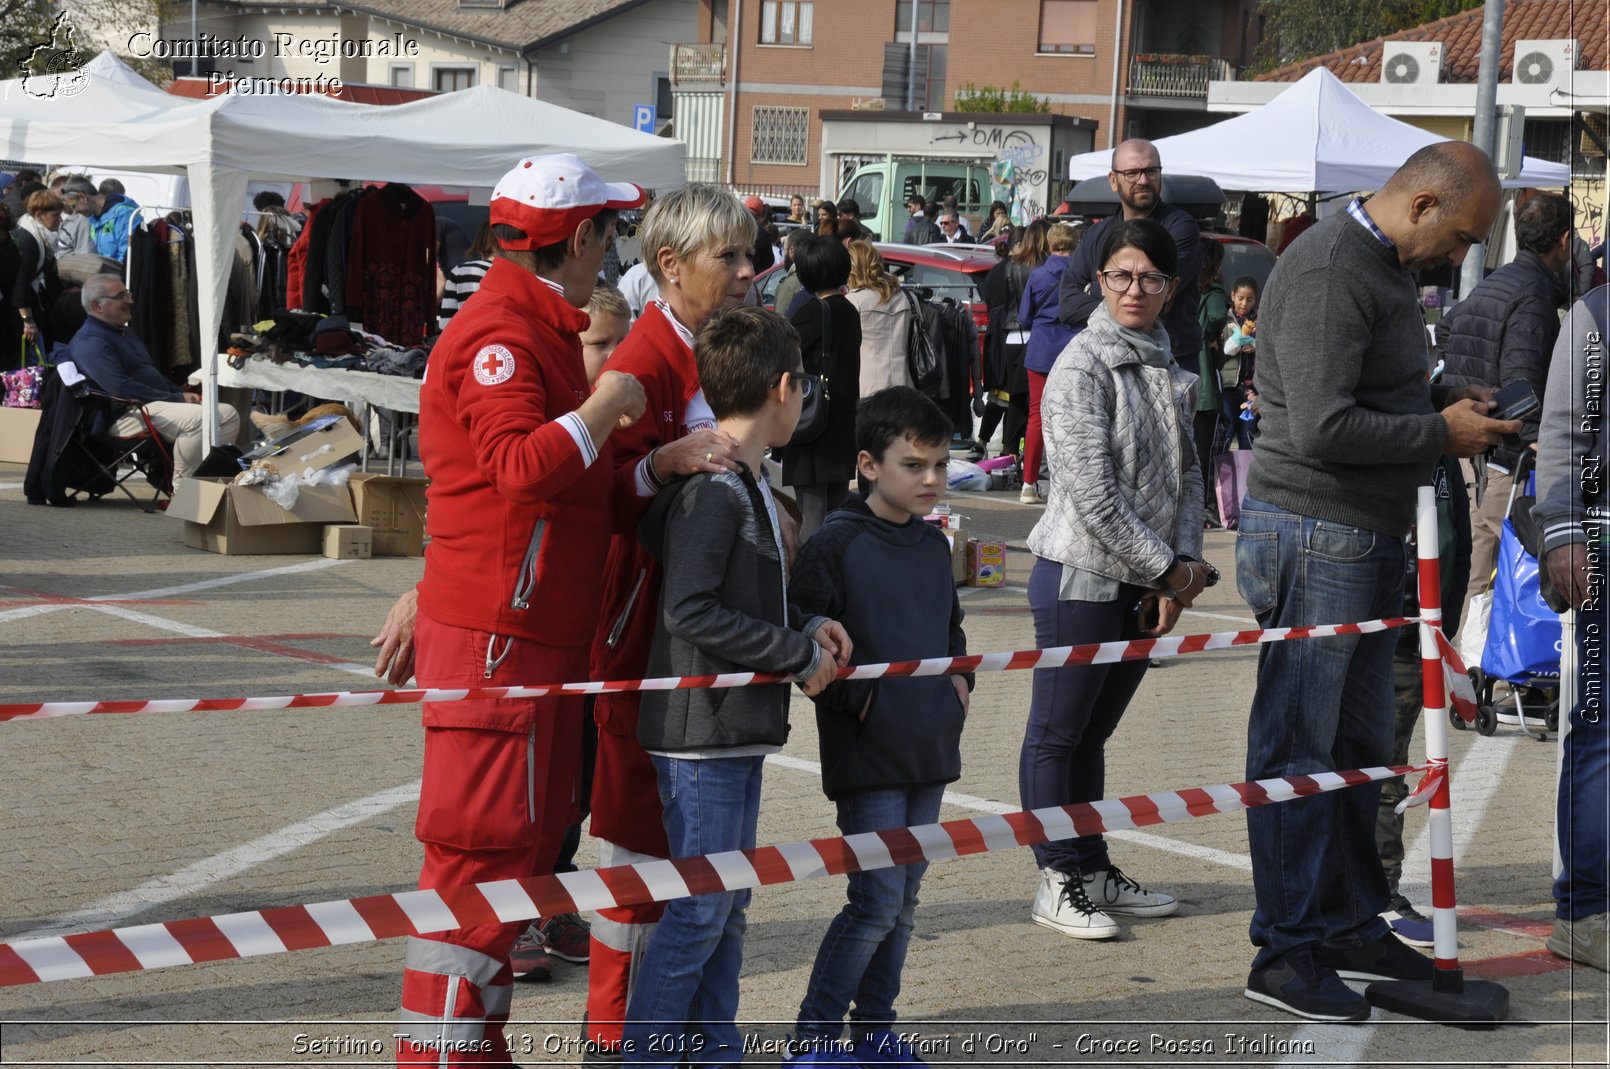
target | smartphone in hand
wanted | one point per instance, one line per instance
(1516, 401)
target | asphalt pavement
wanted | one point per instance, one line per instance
(120, 820)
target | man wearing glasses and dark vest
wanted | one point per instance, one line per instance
(1137, 178)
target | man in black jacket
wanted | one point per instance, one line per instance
(1504, 332)
(1137, 178)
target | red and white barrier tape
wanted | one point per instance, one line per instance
(1461, 691)
(1054, 657)
(359, 920)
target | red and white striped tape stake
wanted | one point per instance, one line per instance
(1053, 657)
(1434, 678)
(359, 920)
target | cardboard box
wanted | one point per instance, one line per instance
(224, 518)
(986, 562)
(958, 554)
(17, 427)
(321, 444)
(394, 509)
(348, 541)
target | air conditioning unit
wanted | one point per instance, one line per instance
(1411, 62)
(1547, 63)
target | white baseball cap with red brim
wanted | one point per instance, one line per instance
(549, 196)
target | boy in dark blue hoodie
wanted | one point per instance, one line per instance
(888, 746)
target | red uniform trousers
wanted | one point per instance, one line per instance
(495, 804)
(626, 822)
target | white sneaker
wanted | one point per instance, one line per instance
(1116, 893)
(1062, 905)
(1030, 495)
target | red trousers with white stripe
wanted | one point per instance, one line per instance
(626, 824)
(619, 937)
(494, 804)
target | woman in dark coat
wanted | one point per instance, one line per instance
(819, 472)
(10, 324)
(35, 287)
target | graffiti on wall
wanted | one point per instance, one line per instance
(1019, 174)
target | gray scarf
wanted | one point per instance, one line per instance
(47, 245)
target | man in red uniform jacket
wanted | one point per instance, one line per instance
(518, 456)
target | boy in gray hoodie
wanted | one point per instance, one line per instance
(723, 608)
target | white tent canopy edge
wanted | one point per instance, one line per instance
(1318, 136)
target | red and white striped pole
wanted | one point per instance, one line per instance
(1444, 922)
(1448, 997)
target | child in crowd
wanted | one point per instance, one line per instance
(723, 608)
(611, 319)
(1240, 344)
(888, 746)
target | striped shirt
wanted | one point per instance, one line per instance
(462, 282)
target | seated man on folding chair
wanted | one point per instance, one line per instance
(117, 362)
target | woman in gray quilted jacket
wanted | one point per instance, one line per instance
(1116, 552)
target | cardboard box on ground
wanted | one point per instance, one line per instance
(17, 427)
(348, 541)
(222, 517)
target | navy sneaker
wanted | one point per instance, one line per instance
(1410, 925)
(1385, 959)
(1299, 983)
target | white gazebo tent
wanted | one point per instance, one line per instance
(1315, 137)
(467, 138)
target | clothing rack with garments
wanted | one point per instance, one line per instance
(369, 254)
(160, 270)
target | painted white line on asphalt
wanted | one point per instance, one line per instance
(1242, 620)
(27, 611)
(10, 486)
(196, 878)
(153, 621)
(1475, 782)
(1214, 856)
(220, 580)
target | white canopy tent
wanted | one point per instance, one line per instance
(1316, 137)
(467, 138)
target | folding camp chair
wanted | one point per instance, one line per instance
(111, 461)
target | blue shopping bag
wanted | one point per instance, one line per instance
(1523, 637)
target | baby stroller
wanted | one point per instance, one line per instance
(1522, 646)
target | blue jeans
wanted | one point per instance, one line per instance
(685, 1001)
(1321, 705)
(1584, 791)
(1073, 711)
(864, 951)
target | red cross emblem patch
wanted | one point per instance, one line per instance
(492, 365)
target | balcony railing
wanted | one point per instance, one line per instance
(1153, 75)
(698, 63)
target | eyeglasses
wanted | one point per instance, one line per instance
(123, 296)
(806, 384)
(1136, 172)
(1151, 283)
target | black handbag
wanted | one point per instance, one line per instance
(813, 415)
(923, 361)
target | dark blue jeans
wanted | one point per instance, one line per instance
(1321, 705)
(1584, 792)
(685, 1002)
(1073, 710)
(864, 951)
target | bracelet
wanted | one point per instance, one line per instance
(1173, 594)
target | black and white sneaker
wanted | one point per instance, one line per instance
(1062, 905)
(1299, 983)
(1114, 892)
(1385, 959)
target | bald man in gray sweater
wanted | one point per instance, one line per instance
(1351, 427)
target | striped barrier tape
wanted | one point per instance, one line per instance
(377, 917)
(1053, 657)
(1461, 691)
